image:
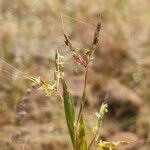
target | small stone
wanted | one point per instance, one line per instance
(28, 91)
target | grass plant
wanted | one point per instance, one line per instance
(75, 120)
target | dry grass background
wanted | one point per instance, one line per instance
(31, 31)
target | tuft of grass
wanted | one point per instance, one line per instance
(75, 120)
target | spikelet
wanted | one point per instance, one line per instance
(95, 40)
(72, 47)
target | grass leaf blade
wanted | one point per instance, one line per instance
(69, 111)
(82, 144)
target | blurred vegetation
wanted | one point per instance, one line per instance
(30, 33)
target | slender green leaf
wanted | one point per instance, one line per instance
(82, 144)
(69, 111)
